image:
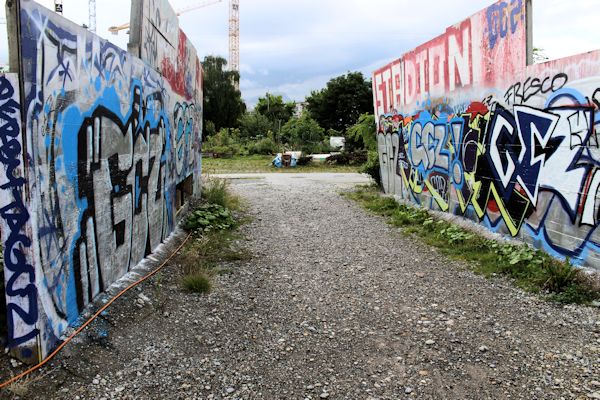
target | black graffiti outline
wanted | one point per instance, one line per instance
(118, 178)
(63, 70)
(521, 92)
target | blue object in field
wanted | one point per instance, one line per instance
(293, 162)
(277, 161)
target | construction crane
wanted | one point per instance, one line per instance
(234, 38)
(115, 29)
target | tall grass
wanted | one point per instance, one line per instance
(201, 257)
(217, 191)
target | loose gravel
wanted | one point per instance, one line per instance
(335, 304)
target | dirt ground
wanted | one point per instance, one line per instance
(334, 304)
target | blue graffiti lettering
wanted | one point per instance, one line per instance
(502, 19)
(21, 274)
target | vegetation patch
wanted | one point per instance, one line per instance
(209, 217)
(532, 270)
(216, 191)
(215, 237)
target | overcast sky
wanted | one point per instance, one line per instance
(292, 47)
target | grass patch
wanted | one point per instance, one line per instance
(23, 387)
(532, 270)
(217, 246)
(201, 258)
(262, 164)
(198, 282)
(215, 237)
(217, 191)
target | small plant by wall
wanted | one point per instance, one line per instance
(215, 237)
(209, 217)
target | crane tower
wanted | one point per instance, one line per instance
(234, 37)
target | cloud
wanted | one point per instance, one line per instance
(561, 36)
(293, 47)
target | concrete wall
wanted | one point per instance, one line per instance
(467, 127)
(108, 150)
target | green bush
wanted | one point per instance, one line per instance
(226, 141)
(266, 146)
(362, 135)
(371, 167)
(209, 129)
(209, 217)
(303, 134)
(254, 126)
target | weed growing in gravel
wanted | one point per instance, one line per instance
(216, 191)
(202, 256)
(530, 269)
(215, 239)
(22, 387)
(212, 248)
(208, 217)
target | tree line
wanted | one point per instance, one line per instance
(342, 108)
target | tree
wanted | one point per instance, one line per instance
(363, 134)
(304, 134)
(339, 105)
(539, 55)
(226, 141)
(274, 108)
(223, 104)
(254, 126)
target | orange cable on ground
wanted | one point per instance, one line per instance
(89, 321)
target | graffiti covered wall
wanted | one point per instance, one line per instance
(465, 126)
(107, 142)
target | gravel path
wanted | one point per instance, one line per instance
(335, 304)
